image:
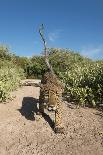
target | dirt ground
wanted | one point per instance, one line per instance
(22, 132)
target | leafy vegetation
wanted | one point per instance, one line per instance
(83, 77)
(10, 74)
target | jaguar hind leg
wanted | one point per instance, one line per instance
(58, 118)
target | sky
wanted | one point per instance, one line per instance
(73, 24)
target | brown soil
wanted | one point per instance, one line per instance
(23, 132)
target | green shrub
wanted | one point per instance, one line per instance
(10, 77)
(10, 73)
(83, 77)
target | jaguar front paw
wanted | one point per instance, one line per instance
(59, 130)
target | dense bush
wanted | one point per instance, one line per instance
(36, 68)
(9, 80)
(83, 77)
(10, 74)
(33, 67)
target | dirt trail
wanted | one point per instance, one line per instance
(23, 132)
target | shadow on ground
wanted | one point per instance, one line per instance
(30, 108)
(49, 120)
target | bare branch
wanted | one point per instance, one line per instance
(41, 32)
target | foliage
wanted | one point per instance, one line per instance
(83, 77)
(5, 53)
(33, 67)
(10, 77)
(37, 67)
(10, 74)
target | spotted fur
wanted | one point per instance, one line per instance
(51, 93)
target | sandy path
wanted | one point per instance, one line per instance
(23, 132)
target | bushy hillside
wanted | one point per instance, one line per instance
(10, 74)
(83, 77)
